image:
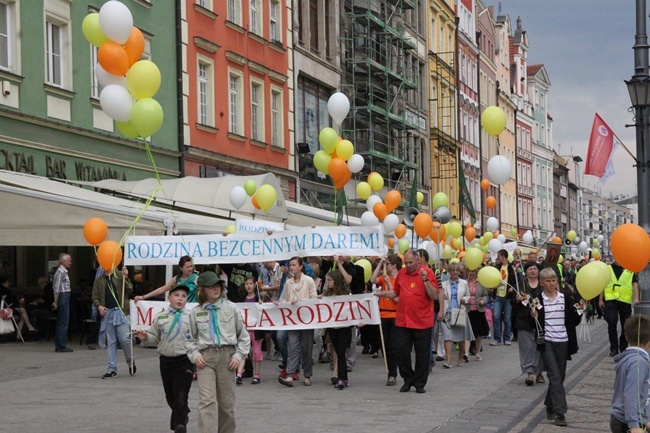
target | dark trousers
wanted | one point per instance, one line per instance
(405, 340)
(555, 358)
(617, 426)
(388, 328)
(340, 338)
(613, 311)
(370, 338)
(176, 373)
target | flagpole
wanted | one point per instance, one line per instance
(626, 149)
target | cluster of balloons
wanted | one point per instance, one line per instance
(109, 253)
(337, 158)
(128, 83)
(263, 198)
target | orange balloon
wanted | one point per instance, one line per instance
(460, 255)
(95, 231)
(134, 46)
(485, 184)
(470, 234)
(630, 246)
(393, 199)
(400, 231)
(340, 183)
(422, 224)
(490, 202)
(109, 255)
(113, 58)
(380, 210)
(255, 203)
(391, 242)
(437, 233)
(337, 168)
(557, 240)
(456, 244)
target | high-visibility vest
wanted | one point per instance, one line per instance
(620, 289)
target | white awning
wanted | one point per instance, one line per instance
(39, 211)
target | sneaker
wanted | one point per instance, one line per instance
(238, 380)
(550, 415)
(267, 357)
(440, 358)
(560, 421)
(91, 346)
(478, 358)
(296, 375)
(447, 365)
(180, 429)
(133, 370)
(63, 350)
(392, 381)
(109, 375)
(340, 384)
(307, 381)
(507, 343)
(282, 375)
(495, 343)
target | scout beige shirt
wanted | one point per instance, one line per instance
(173, 344)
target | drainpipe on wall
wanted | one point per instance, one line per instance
(179, 88)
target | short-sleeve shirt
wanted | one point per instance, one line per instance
(415, 308)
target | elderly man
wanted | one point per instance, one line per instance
(417, 289)
(61, 304)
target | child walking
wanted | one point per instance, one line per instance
(217, 345)
(632, 384)
(169, 330)
(252, 296)
(341, 336)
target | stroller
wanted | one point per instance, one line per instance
(7, 321)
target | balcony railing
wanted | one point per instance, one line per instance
(525, 190)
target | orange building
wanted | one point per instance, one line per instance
(236, 89)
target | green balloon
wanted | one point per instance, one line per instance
(322, 161)
(92, 31)
(328, 138)
(440, 199)
(250, 187)
(403, 245)
(127, 129)
(146, 117)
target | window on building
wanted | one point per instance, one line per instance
(257, 110)
(205, 91)
(276, 118)
(433, 41)
(206, 4)
(255, 11)
(4, 37)
(54, 52)
(236, 101)
(274, 21)
(313, 25)
(95, 87)
(234, 11)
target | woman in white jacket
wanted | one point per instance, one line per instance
(456, 295)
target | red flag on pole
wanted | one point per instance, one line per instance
(601, 145)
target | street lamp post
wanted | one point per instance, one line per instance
(639, 89)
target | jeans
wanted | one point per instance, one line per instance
(281, 342)
(115, 333)
(407, 339)
(62, 321)
(613, 311)
(555, 357)
(502, 305)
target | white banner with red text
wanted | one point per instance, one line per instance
(329, 312)
(256, 247)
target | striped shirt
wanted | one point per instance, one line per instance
(554, 318)
(61, 282)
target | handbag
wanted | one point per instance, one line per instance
(458, 317)
(539, 334)
(6, 326)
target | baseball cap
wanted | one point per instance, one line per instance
(176, 287)
(209, 279)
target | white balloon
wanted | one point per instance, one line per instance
(600, 238)
(238, 197)
(338, 106)
(372, 201)
(499, 169)
(369, 219)
(527, 238)
(390, 223)
(495, 245)
(116, 102)
(583, 246)
(435, 251)
(502, 238)
(492, 224)
(116, 21)
(356, 163)
(105, 79)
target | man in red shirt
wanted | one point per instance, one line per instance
(417, 289)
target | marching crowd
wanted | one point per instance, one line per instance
(430, 311)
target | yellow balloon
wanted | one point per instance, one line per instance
(454, 260)
(455, 229)
(365, 264)
(322, 161)
(92, 31)
(473, 258)
(571, 235)
(493, 120)
(489, 277)
(266, 197)
(230, 229)
(403, 245)
(447, 252)
(420, 197)
(344, 149)
(560, 259)
(328, 139)
(143, 79)
(592, 279)
(488, 236)
(363, 190)
(375, 181)
(456, 244)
